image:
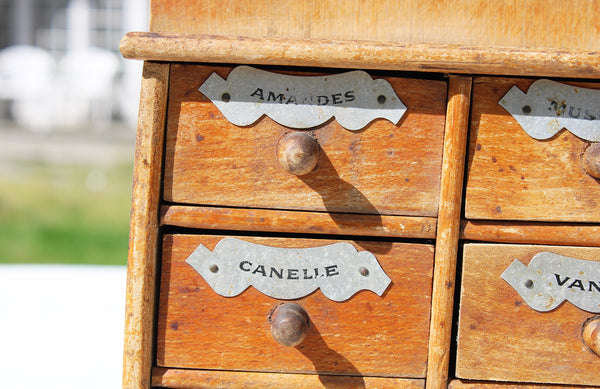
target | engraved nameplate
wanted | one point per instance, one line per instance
(339, 270)
(551, 279)
(550, 106)
(353, 98)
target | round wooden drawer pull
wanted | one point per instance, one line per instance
(289, 324)
(591, 334)
(298, 153)
(591, 160)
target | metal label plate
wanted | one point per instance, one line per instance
(353, 98)
(339, 270)
(550, 106)
(551, 279)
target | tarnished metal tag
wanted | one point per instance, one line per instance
(551, 279)
(353, 98)
(550, 106)
(337, 269)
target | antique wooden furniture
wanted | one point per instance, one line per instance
(393, 189)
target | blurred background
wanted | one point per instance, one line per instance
(68, 108)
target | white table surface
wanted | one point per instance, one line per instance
(61, 326)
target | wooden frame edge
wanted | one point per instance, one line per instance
(507, 61)
(143, 235)
(448, 230)
(474, 384)
(531, 233)
(196, 379)
(303, 222)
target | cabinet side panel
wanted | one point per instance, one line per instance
(143, 235)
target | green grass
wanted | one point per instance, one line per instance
(65, 214)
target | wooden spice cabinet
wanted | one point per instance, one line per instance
(396, 190)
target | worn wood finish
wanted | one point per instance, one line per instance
(516, 23)
(418, 57)
(383, 169)
(298, 153)
(143, 235)
(531, 233)
(201, 379)
(365, 335)
(455, 141)
(591, 160)
(591, 334)
(462, 384)
(214, 218)
(530, 180)
(501, 338)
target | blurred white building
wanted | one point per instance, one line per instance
(60, 65)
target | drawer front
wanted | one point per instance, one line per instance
(385, 168)
(364, 335)
(512, 176)
(501, 338)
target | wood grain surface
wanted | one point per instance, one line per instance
(446, 244)
(355, 54)
(507, 23)
(383, 169)
(204, 379)
(269, 220)
(501, 338)
(570, 234)
(512, 176)
(463, 384)
(366, 335)
(142, 262)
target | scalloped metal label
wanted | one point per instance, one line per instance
(550, 279)
(353, 98)
(339, 270)
(549, 106)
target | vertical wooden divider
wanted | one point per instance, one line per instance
(448, 230)
(143, 235)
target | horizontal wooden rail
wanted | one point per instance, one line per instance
(196, 379)
(298, 222)
(531, 233)
(376, 225)
(362, 55)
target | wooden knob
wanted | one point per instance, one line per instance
(298, 153)
(591, 160)
(591, 334)
(289, 324)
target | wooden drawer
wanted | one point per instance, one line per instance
(366, 335)
(512, 176)
(501, 338)
(382, 169)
